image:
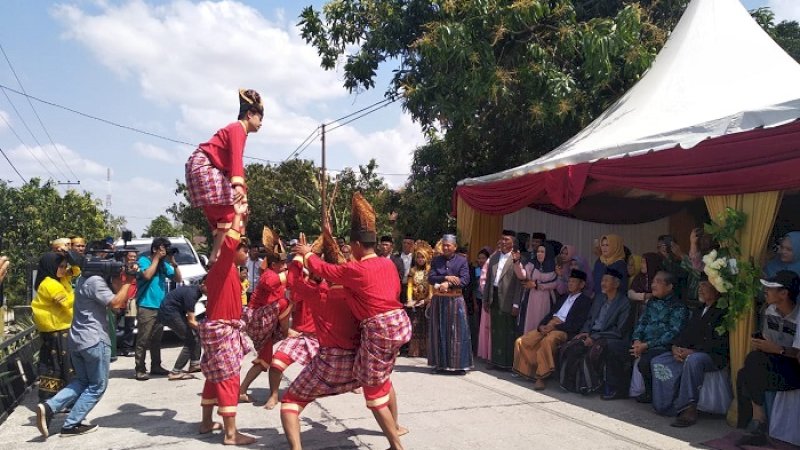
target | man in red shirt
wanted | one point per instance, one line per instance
(215, 171)
(267, 314)
(330, 372)
(224, 344)
(375, 289)
(301, 343)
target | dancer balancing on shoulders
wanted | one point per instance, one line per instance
(300, 344)
(385, 327)
(215, 171)
(266, 317)
(330, 371)
(221, 336)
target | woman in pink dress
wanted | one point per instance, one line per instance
(485, 326)
(540, 279)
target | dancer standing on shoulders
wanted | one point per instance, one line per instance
(215, 171)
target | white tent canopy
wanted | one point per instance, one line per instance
(719, 73)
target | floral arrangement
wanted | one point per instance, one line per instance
(735, 279)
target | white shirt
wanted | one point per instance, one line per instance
(501, 263)
(406, 257)
(563, 312)
(253, 272)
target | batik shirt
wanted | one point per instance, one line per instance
(662, 321)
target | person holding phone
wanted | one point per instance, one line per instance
(773, 364)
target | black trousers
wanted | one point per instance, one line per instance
(764, 372)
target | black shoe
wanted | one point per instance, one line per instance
(78, 429)
(611, 395)
(645, 398)
(44, 414)
(159, 371)
(142, 376)
(756, 437)
(126, 353)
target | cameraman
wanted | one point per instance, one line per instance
(151, 290)
(90, 348)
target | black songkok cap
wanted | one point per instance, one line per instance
(509, 233)
(614, 273)
(387, 239)
(578, 274)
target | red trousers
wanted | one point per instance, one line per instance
(224, 395)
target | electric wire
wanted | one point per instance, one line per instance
(30, 150)
(294, 152)
(13, 166)
(41, 123)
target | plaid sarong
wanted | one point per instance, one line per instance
(300, 349)
(207, 185)
(329, 373)
(381, 339)
(262, 324)
(224, 346)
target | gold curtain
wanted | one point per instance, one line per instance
(477, 229)
(761, 209)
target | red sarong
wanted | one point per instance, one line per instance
(329, 373)
(206, 184)
(381, 339)
(224, 346)
(300, 349)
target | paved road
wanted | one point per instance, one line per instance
(482, 410)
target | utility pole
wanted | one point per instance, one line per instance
(324, 183)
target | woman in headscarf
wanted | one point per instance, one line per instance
(419, 292)
(540, 279)
(634, 268)
(52, 315)
(787, 257)
(640, 292)
(612, 256)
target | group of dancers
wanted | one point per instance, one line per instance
(347, 323)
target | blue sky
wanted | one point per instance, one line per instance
(173, 67)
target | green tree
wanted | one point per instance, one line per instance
(161, 226)
(33, 215)
(785, 33)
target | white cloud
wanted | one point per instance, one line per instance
(785, 9)
(154, 152)
(43, 161)
(5, 119)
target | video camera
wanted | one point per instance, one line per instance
(106, 265)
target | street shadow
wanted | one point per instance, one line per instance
(319, 437)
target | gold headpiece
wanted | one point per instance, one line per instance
(362, 221)
(423, 248)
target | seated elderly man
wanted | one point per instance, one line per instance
(678, 374)
(663, 319)
(773, 364)
(583, 358)
(534, 353)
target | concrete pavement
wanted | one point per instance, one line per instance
(483, 410)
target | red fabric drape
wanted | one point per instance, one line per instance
(753, 161)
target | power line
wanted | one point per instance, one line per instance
(99, 119)
(47, 133)
(307, 145)
(362, 115)
(13, 166)
(295, 151)
(390, 99)
(23, 142)
(269, 161)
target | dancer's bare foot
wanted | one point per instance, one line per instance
(401, 430)
(357, 390)
(272, 402)
(240, 439)
(208, 428)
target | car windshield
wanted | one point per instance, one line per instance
(185, 255)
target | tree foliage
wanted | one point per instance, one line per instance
(162, 226)
(785, 33)
(286, 197)
(35, 214)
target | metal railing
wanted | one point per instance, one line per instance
(18, 368)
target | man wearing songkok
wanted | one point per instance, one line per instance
(267, 314)
(386, 250)
(375, 288)
(78, 244)
(215, 171)
(501, 291)
(330, 371)
(221, 335)
(301, 343)
(583, 358)
(534, 352)
(449, 341)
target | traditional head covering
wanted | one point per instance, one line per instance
(636, 260)
(642, 281)
(78, 240)
(614, 273)
(572, 252)
(538, 235)
(387, 238)
(273, 247)
(48, 267)
(556, 246)
(509, 233)
(57, 244)
(329, 248)
(583, 264)
(775, 264)
(423, 248)
(578, 274)
(250, 100)
(437, 249)
(616, 249)
(362, 220)
(549, 263)
(449, 238)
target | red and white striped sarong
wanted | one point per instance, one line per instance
(206, 184)
(329, 373)
(381, 339)
(262, 324)
(300, 349)
(224, 346)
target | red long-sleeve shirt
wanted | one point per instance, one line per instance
(373, 285)
(225, 150)
(271, 288)
(302, 290)
(223, 285)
